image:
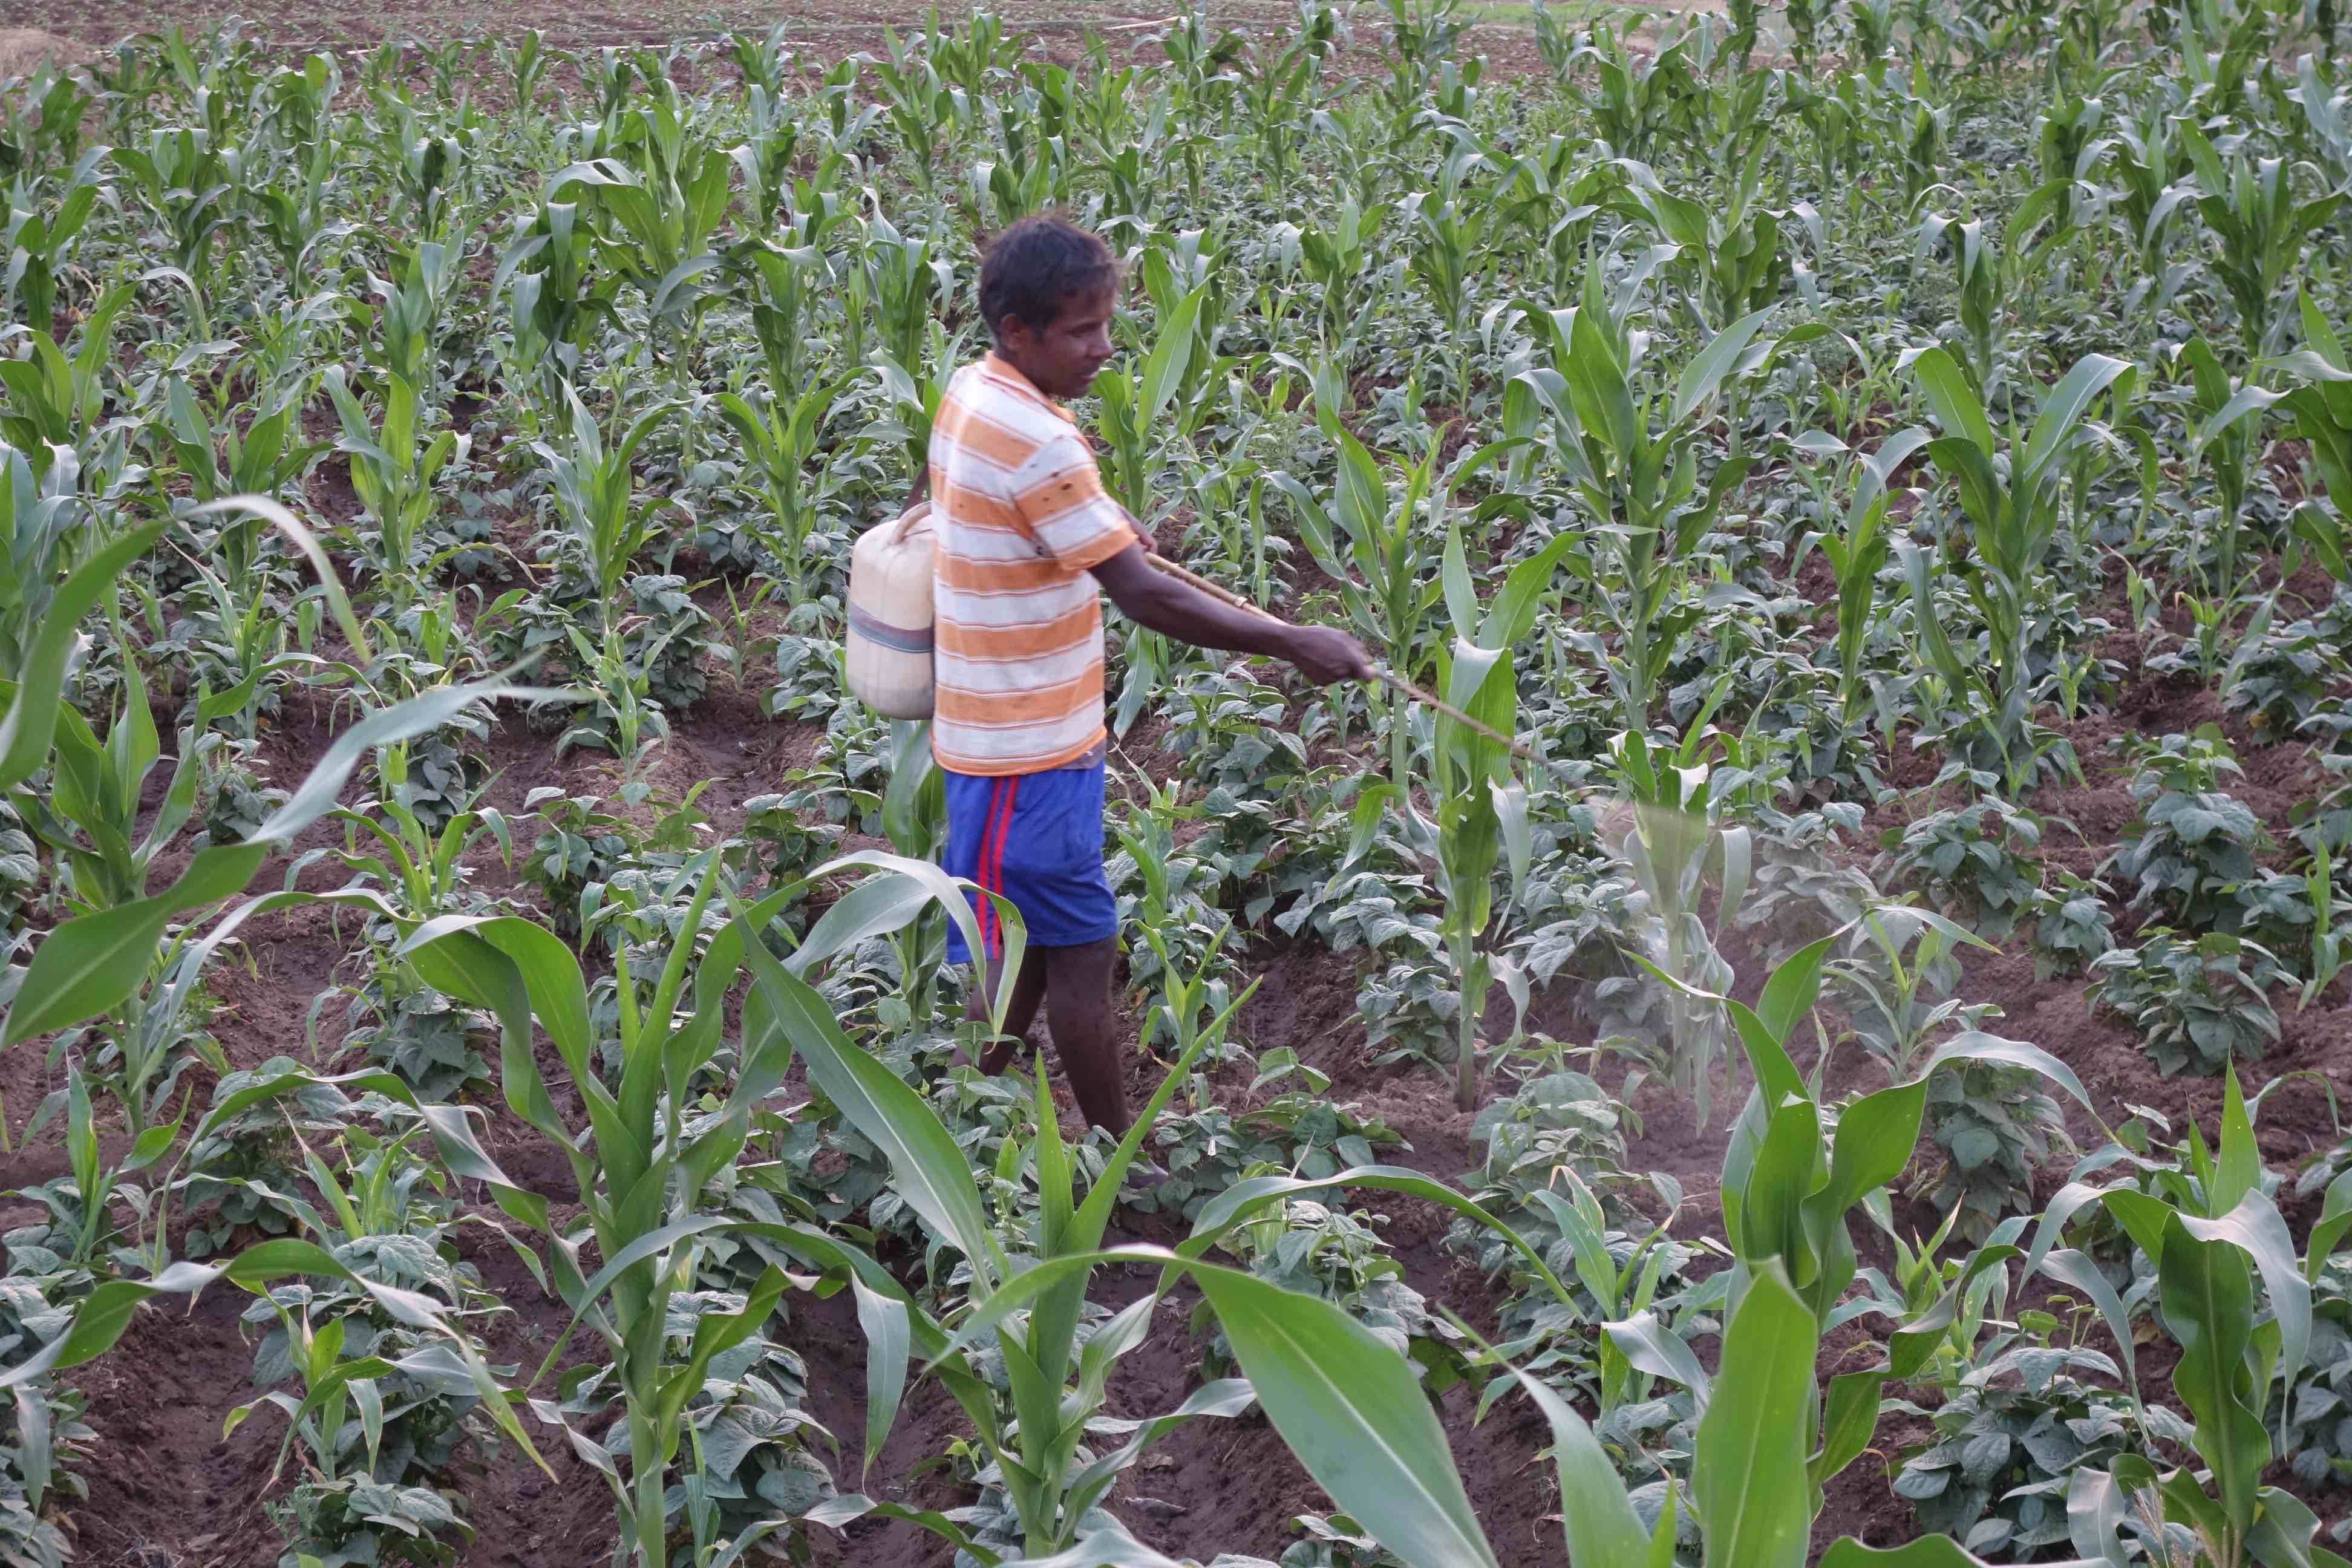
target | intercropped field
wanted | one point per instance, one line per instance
(480, 1079)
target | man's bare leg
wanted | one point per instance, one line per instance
(1073, 983)
(1078, 1009)
(1027, 992)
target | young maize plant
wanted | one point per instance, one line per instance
(2012, 516)
(1631, 454)
(1028, 1301)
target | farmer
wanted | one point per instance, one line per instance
(1027, 535)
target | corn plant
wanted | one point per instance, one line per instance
(1056, 1383)
(393, 464)
(2012, 515)
(90, 814)
(640, 1169)
(1135, 409)
(56, 398)
(1353, 1412)
(889, 283)
(1977, 266)
(780, 437)
(1631, 454)
(2211, 1236)
(1857, 551)
(1338, 262)
(548, 274)
(1368, 542)
(1673, 843)
(262, 457)
(38, 245)
(659, 195)
(183, 178)
(2319, 407)
(604, 523)
(919, 104)
(2229, 440)
(77, 974)
(43, 520)
(1637, 102)
(1448, 229)
(2260, 227)
(1481, 811)
(1733, 248)
(1032, 1312)
(2157, 184)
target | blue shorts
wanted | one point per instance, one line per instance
(1037, 839)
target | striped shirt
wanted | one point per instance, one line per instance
(1019, 515)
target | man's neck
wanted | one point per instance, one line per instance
(1005, 363)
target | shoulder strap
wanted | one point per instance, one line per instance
(914, 516)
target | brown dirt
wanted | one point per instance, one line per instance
(821, 34)
(165, 1490)
(1214, 1484)
(24, 50)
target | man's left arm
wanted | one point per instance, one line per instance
(1170, 606)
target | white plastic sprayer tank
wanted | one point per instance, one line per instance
(888, 651)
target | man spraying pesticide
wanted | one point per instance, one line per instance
(1024, 540)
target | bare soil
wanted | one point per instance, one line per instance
(166, 1490)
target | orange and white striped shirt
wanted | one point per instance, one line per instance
(1020, 515)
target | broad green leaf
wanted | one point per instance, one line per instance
(1171, 356)
(1874, 1138)
(1976, 1046)
(1356, 1416)
(840, 1511)
(1928, 1551)
(1705, 371)
(2327, 1231)
(1598, 1519)
(1648, 1345)
(2063, 410)
(1511, 612)
(2255, 1227)
(2208, 1305)
(1789, 993)
(1239, 1202)
(1849, 1418)
(1952, 400)
(1461, 593)
(1747, 1472)
(2096, 1509)
(330, 586)
(2239, 1170)
(31, 719)
(929, 1169)
(2078, 1272)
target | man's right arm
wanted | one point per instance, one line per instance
(1160, 603)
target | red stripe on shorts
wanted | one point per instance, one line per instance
(995, 883)
(990, 871)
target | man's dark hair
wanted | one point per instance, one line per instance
(1039, 265)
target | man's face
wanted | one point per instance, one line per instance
(1062, 360)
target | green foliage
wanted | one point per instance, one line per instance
(1996, 1128)
(2072, 926)
(2192, 843)
(601, 338)
(2010, 1433)
(1976, 861)
(2197, 1001)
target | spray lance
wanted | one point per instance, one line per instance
(1387, 677)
